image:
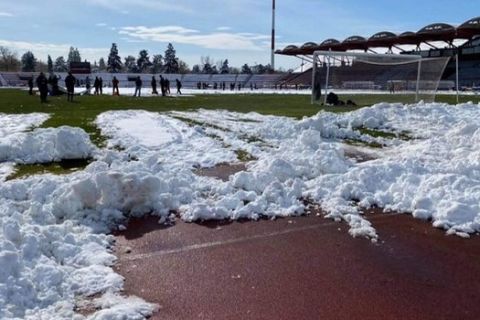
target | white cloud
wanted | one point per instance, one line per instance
(157, 5)
(178, 34)
(5, 14)
(101, 24)
(42, 49)
(224, 28)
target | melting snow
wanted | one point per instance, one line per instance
(54, 247)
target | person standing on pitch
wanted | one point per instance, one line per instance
(95, 85)
(30, 85)
(42, 84)
(167, 86)
(87, 84)
(138, 86)
(154, 85)
(179, 86)
(162, 85)
(115, 86)
(70, 84)
(100, 85)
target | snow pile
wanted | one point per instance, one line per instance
(12, 124)
(53, 249)
(435, 177)
(46, 145)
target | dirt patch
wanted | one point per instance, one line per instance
(221, 171)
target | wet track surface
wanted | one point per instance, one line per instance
(301, 268)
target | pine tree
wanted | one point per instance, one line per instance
(114, 60)
(246, 69)
(171, 61)
(60, 65)
(225, 68)
(49, 64)
(131, 64)
(206, 65)
(143, 61)
(157, 63)
(28, 62)
(196, 69)
(73, 56)
(101, 65)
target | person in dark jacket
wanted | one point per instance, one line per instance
(100, 85)
(154, 85)
(30, 86)
(42, 84)
(179, 86)
(96, 85)
(115, 86)
(55, 89)
(70, 84)
(167, 86)
(163, 86)
(138, 86)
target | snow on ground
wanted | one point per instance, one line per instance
(46, 145)
(15, 123)
(54, 247)
(171, 141)
(12, 125)
(147, 92)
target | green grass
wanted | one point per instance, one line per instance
(58, 168)
(404, 135)
(244, 156)
(85, 109)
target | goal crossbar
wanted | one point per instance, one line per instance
(336, 59)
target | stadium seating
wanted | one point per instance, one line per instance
(263, 80)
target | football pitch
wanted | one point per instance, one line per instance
(85, 109)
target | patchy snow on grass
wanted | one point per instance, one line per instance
(15, 123)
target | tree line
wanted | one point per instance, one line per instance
(143, 63)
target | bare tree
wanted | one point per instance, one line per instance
(8, 60)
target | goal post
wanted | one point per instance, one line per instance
(403, 77)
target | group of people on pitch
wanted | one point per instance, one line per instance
(164, 86)
(42, 85)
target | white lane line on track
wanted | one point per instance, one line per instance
(234, 241)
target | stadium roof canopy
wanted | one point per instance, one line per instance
(385, 39)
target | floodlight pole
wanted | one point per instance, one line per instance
(272, 63)
(457, 76)
(314, 72)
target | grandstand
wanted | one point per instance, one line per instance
(426, 42)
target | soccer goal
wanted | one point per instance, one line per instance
(403, 77)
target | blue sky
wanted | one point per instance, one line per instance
(238, 30)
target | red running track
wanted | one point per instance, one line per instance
(301, 268)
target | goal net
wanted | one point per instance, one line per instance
(383, 77)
